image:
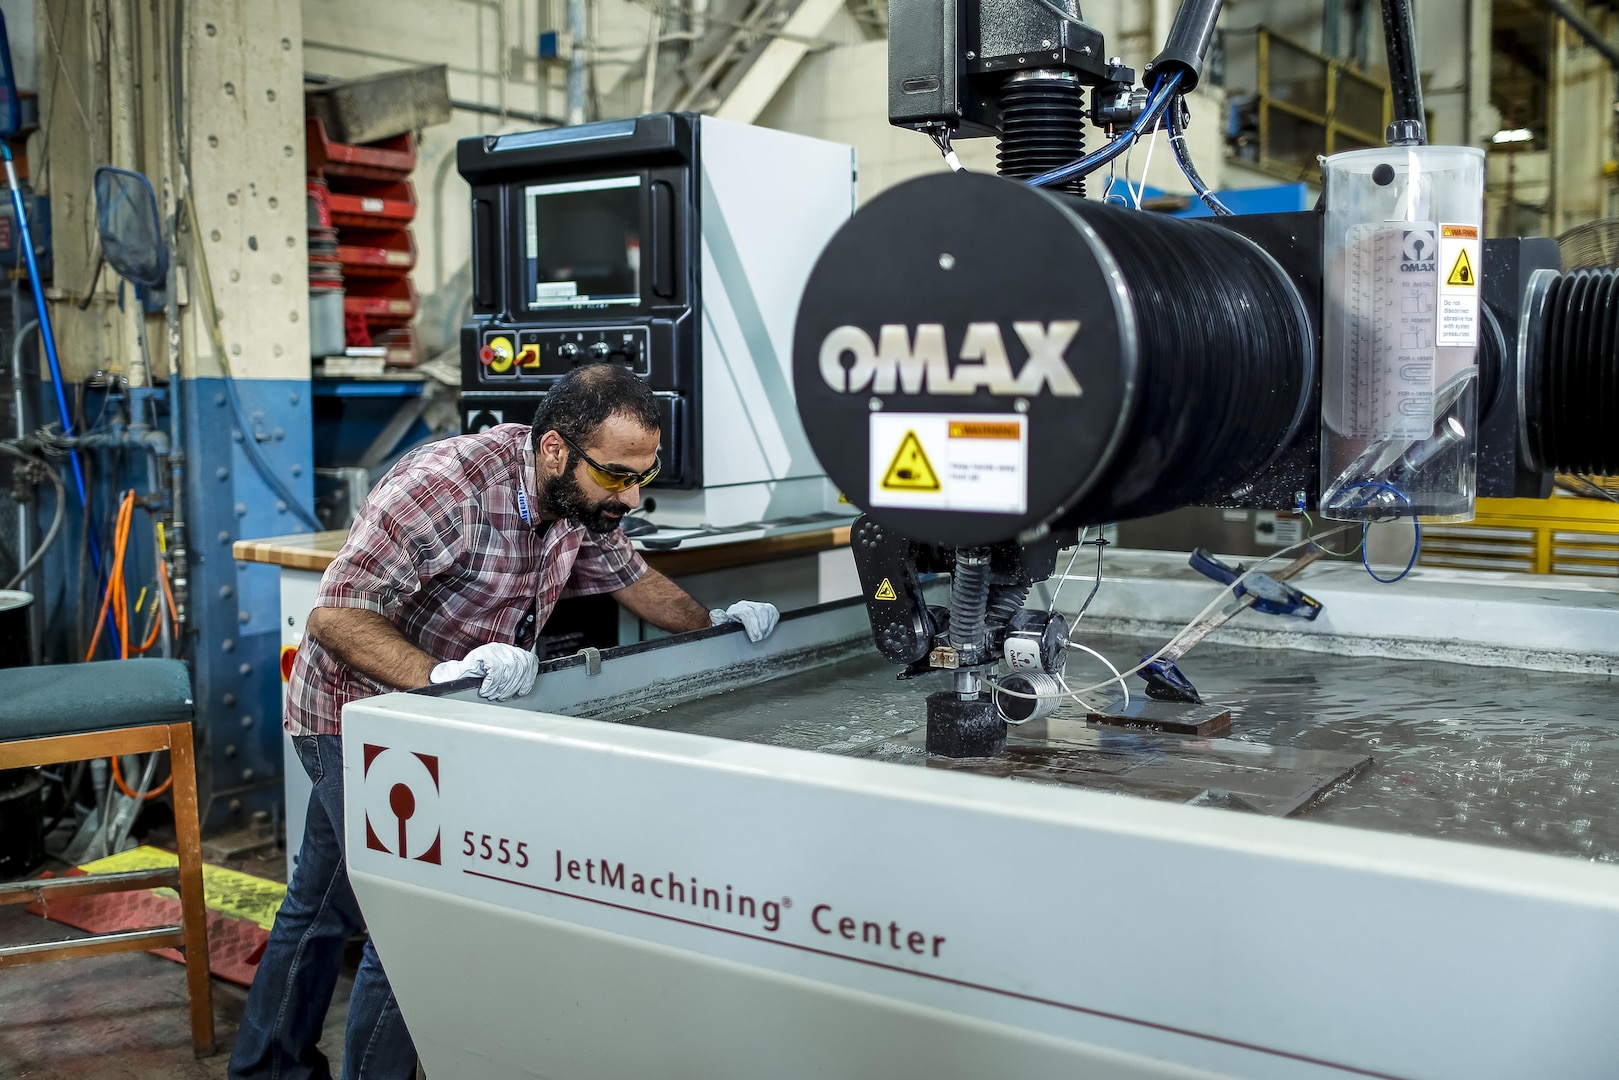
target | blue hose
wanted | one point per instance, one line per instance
(1365, 554)
(1162, 94)
(49, 338)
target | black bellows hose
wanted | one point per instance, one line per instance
(1005, 601)
(1227, 357)
(969, 597)
(1570, 397)
(1042, 126)
(1399, 41)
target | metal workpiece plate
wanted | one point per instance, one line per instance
(949, 309)
(1273, 780)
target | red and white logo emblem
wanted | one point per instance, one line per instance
(401, 804)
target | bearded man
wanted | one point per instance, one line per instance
(451, 567)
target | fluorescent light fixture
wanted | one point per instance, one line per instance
(1509, 135)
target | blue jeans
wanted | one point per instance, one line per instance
(286, 1006)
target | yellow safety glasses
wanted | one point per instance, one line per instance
(610, 479)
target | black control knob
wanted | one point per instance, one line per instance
(600, 350)
(568, 350)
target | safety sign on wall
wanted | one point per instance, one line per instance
(945, 461)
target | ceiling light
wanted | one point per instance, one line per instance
(1511, 135)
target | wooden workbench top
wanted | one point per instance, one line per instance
(315, 551)
(306, 551)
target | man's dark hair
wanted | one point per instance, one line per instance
(582, 400)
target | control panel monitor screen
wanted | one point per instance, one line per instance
(583, 243)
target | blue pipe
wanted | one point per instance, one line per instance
(49, 338)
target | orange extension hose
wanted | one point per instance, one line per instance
(117, 597)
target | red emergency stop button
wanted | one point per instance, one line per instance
(289, 653)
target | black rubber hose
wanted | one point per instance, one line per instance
(1177, 140)
(1399, 42)
(1188, 41)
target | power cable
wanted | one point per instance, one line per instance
(1162, 92)
(56, 521)
(1224, 595)
(1177, 141)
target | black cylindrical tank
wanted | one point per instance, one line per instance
(976, 359)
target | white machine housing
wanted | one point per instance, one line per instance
(842, 917)
(768, 204)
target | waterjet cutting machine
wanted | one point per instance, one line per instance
(702, 858)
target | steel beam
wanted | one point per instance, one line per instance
(767, 74)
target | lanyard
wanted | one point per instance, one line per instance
(522, 503)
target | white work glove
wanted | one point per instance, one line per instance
(756, 618)
(507, 670)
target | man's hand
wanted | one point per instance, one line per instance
(507, 670)
(756, 618)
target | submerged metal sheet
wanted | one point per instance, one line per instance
(1238, 775)
(1524, 759)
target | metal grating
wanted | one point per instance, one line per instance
(1561, 535)
(1470, 547)
(1592, 554)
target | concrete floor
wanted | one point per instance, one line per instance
(122, 1017)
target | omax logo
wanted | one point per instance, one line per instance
(401, 804)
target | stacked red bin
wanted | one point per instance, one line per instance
(368, 205)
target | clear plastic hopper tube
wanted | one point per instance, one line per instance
(1403, 247)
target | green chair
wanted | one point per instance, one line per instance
(72, 712)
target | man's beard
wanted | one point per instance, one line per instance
(561, 496)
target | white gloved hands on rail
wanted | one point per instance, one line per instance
(756, 618)
(507, 670)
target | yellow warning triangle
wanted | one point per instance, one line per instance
(885, 591)
(1462, 272)
(910, 470)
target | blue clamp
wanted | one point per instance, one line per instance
(1269, 595)
(1166, 682)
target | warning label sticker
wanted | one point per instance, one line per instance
(943, 461)
(1462, 272)
(885, 591)
(910, 470)
(1458, 285)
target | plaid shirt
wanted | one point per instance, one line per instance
(441, 550)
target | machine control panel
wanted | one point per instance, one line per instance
(533, 355)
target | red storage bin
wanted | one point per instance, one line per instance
(373, 206)
(382, 302)
(376, 254)
(389, 160)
